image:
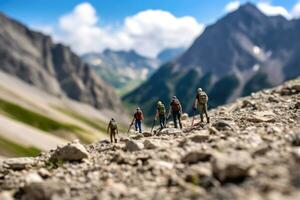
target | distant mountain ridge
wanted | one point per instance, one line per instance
(243, 52)
(170, 54)
(123, 70)
(54, 68)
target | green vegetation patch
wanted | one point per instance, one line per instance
(34, 119)
(97, 124)
(14, 149)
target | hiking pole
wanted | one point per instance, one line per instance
(130, 127)
(194, 114)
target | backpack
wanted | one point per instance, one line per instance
(202, 98)
(113, 125)
(175, 105)
(138, 115)
(161, 109)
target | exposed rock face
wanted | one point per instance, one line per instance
(248, 160)
(34, 58)
(243, 52)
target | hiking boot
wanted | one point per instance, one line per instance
(116, 140)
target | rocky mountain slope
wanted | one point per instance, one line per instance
(123, 70)
(33, 120)
(54, 68)
(243, 52)
(251, 150)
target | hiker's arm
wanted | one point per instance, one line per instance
(195, 104)
(117, 130)
(180, 108)
(108, 128)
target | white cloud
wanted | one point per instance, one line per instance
(147, 32)
(296, 11)
(271, 10)
(232, 6)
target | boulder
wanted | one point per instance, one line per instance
(18, 163)
(133, 145)
(71, 152)
(231, 167)
(147, 134)
(45, 190)
(169, 131)
(222, 125)
(201, 136)
(150, 145)
(33, 177)
(195, 156)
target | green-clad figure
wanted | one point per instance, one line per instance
(161, 114)
(201, 101)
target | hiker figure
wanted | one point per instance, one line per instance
(138, 118)
(112, 129)
(201, 100)
(161, 114)
(176, 111)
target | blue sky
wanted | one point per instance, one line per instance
(129, 24)
(113, 11)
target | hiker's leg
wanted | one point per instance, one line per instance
(174, 119)
(161, 121)
(179, 119)
(115, 136)
(205, 112)
(111, 137)
(164, 121)
(136, 125)
(140, 126)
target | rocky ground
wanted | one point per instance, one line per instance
(251, 150)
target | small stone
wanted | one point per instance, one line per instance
(137, 136)
(18, 163)
(71, 152)
(285, 91)
(147, 134)
(247, 103)
(44, 190)
(296, 153)
(33, 178)
(184, 116)
(296, 88)
(232, 167)
(297, 105)
(261, 150)
(295, 139)
(200, 137)
(259, 119)
(223, 125)
(133, 146)
(150, 145)
(213, 131)
(195, 156)
(6, 195)
(44, 173)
